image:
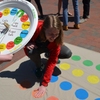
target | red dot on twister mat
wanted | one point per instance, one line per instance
(52, 98)
(34, 93)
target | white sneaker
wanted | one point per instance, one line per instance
(82, 20)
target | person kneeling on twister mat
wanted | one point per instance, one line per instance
(47, 38)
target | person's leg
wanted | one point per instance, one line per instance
(65, 52)
(86, 8)
(34, 55)
(76, 13)
(59, 6)
(69, 13)
(29, 0)
(88, 12)
(65, 14)
(39, 7)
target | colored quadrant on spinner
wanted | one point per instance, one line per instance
(19, 23)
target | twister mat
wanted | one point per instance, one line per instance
(77, 78)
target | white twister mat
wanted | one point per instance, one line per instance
(77, 78)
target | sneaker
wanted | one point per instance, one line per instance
(88, 17)
(39, 71)
(82, 20)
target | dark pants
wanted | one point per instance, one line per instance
(39, 7)
(86, 8)
(34, 55)
(29, 0)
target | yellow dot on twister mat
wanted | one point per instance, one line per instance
(2, 47)
(93, 79)
(77, 72)
(64, 66)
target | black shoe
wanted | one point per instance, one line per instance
(39, 71)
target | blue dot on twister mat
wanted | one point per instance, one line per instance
(97, 99)
(54, 79)
(81, 94)
(65, 85)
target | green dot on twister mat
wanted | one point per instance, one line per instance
(88, 63)
(76, 57)
(98, 67)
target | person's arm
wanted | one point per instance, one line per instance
(51, 65)
(31, 44)
(4, 58)
(49, 70)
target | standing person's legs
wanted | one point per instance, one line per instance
(29, 0)
(59, 6)
(76, 13)
(70, 14)
(86, 8)
(39, 7)
(65, 14)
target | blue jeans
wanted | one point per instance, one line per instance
(76, 12)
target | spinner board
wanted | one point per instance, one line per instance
(18, 22)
